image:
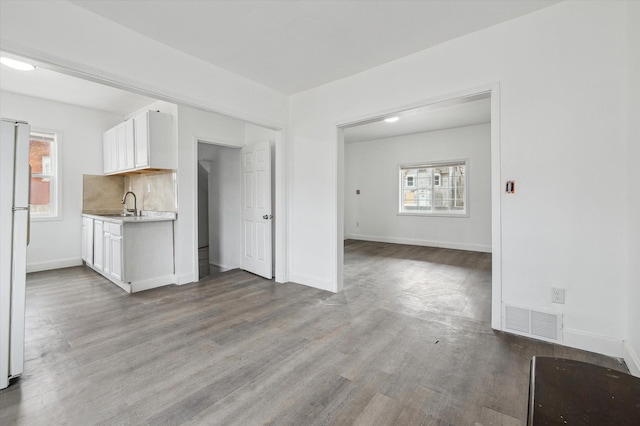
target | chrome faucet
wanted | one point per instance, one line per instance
(124, 199)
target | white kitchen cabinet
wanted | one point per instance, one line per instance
(126, 146)
(154, 146)
(116, 257)
(98, 245)
(141, 127)
(119, 148)
(142, 142)
(87, 240)
(113, 246)
(110, 147)
(106, 250)
(136, 255)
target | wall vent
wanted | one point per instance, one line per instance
(539, 325)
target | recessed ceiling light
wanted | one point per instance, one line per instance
(392, 119)
(18, 65)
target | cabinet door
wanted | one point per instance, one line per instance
(84, 239)
(116, 257)
(106, 247)
(110, 151)
(98, 246)
(141, 127)
(125, 143)
(87, 240)
(129, 144)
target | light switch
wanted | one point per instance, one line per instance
(511, 187)
(357, 192)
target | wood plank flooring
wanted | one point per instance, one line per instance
(408, 342)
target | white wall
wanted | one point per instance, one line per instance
(564, 106)
(372, 167)
(562, 75)
(194, 125)
(57, 243)
(224, 208)
(632, 346)
(89, 43)
(101, 49)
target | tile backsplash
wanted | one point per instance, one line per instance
(102, 194)
(154, 192)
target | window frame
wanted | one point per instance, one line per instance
(54, 176)
(433, 213)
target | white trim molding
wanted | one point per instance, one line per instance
(631, 358)
(186, 278)
(337, 173)
(313, 282)
(423, 243)
(593, 342)
(53, 264)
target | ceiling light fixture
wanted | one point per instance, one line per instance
(17, 65)
(392, 119)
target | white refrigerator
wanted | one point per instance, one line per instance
(14, 235)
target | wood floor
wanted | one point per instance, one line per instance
(408, 342)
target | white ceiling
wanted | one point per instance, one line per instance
(286, 45)
(444, 115)
(292, 46)
(53, 86)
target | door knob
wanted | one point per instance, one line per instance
(267, 216)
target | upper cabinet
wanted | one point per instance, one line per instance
(143, 142)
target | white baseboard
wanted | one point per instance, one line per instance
(223, 268)
(424, 243)
(631, 358)
(152, 283)
(184, 279)
(53, 264)
(313, 282)
(592, 342)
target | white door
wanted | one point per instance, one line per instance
(256, 209)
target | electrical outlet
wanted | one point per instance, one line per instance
(557, 295)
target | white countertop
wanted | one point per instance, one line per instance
(147, 216)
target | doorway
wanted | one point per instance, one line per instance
(236, 204)
(219, 233)
(491, 92)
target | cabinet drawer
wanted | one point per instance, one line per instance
(114, 229)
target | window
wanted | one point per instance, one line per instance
(44, 179)
(434, 189)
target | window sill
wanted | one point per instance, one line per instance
(45, 218)
(437, 214)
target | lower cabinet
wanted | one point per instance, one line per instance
(98, 245)
(112, 241)
(115, 248)
(87, 240)
(134, 255)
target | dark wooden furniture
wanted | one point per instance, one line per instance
(567, 392)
